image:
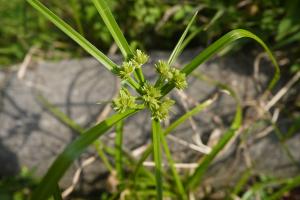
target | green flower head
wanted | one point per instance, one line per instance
(124, 101)
(162, 112)
(179, 79)
(150, 90)
(139, 58)
(164, 70)
(126, 70)
(151, 96)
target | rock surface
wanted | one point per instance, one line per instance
(31, 136)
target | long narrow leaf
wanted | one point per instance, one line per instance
(217, 46)
(71, 152)
(118, 150)
(176, 51)
(176, 176)
(57, 194)
(156, 132)
(116, 32)
(113, 27)
(67, 29)
(200, 107)
(198, 30)
(196, 177)
(75, 127)
(291, 183)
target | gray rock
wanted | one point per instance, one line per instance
(30, 136)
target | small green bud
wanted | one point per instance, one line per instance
(162, 112)
(124, 101)
(179, 79)
(139, 58)
(126, 70)
(151, 96)
(150, 90)
(164, 70)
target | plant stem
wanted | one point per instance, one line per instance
(173, 169)
(118, 150)
(156, 132)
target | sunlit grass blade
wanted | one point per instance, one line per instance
(67, 29)
(200, 107)
(176, 176)
(116, 32)
(113, 27)
(197, 176)
(156, 132)
(192, 35)
(217, 46)
(176, 50)
(188, 39)
(71, 152)
(118, 150)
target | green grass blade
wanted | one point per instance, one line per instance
(291, 183)
(113, 27)
(116, 32)
(119, 151)
(196, 177)
(189, 39)
(285, 185)
(61, 116)
(217, 46)
(71, 152)
(177, 48)
(75, 127)
(261, 186)
(67, 29)
(226, 40)
(156, 132)
(57, 194)
(200, 107)
(242, 182)
(198, 30)
(176, 176)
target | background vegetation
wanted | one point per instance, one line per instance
(144, 21)
(276, 22)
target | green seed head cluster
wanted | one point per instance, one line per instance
(163, 69)
(124, 101)
(139, 58)
(178, 79)
(127, 68)
(150, 95)
(171, 74)
(158, 106)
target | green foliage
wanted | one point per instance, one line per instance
(18, 187)
(146, 20)
(149, 96)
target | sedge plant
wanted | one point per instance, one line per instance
(137, 94)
